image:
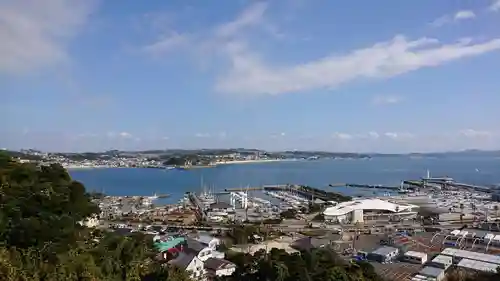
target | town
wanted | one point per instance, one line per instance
(203, 158)
(434, 229)
(430, 228)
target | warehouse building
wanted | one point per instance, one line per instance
(468, 264)
(458, 255)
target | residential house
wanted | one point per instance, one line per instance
(309, 243)
(218, 267)
(208, 241)
(191, 264)
(201, 250)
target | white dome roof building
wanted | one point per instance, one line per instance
(361, 210)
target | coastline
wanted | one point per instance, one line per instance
(256, 161)
(78, 167)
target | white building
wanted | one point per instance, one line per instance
(208, 241)
(90, 222)
(190, 263)
(415, 257)
(362, 210)
(200, 258)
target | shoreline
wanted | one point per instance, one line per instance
(77, 167)
(255, 161)
(259, 161)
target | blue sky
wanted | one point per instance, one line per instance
(388, 76)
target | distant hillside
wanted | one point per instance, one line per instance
(464, 153)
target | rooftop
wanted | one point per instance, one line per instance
(471, 255)
(430, 271)
(183, 260)
(442, 259)
(478, 265)
(367, 204)
(416, 254)
(214, 264)
(194, 246)
(385, 250)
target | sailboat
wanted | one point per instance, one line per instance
(206, 197)
(154, 197)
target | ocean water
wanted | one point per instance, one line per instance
(320, 173)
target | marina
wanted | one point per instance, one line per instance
(423, 225)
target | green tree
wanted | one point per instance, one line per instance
(41, 238)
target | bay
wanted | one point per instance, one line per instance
(317, 173)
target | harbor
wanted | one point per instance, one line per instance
(419, 220)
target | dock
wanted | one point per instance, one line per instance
(193, 198)
(243, 189)
(264, 187)
(378, 186)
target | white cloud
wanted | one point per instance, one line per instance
(34, 33)
(218, 36)
(342, 136)
(279, 135)
(120, 135)
(471, 133)
(458, 16)
(165, 138)
(373, 135)
(166, 43)
(398, 136)
(495, 6)
(464, 15)
(381, 100)
(253, 15)
(251, 75)
(125, 135)
(202, 135)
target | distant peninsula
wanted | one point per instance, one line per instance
(205, 158)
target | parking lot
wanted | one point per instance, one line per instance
(397, 271)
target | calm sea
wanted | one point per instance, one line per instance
(387, 171)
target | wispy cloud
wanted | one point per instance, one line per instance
(495, 6)
(202, 135)
(166, 43)
(464, 15)
(253, 15)
(219, 35)
(34, 33)
(384, 100)
(471, 133)
(342, 136)
(399, 135)
(458, 16)
(125, 135)
(249, 74)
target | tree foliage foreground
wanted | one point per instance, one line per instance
(41, 237)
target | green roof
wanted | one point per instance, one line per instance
(166, 245)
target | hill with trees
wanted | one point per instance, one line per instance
(41, 237)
